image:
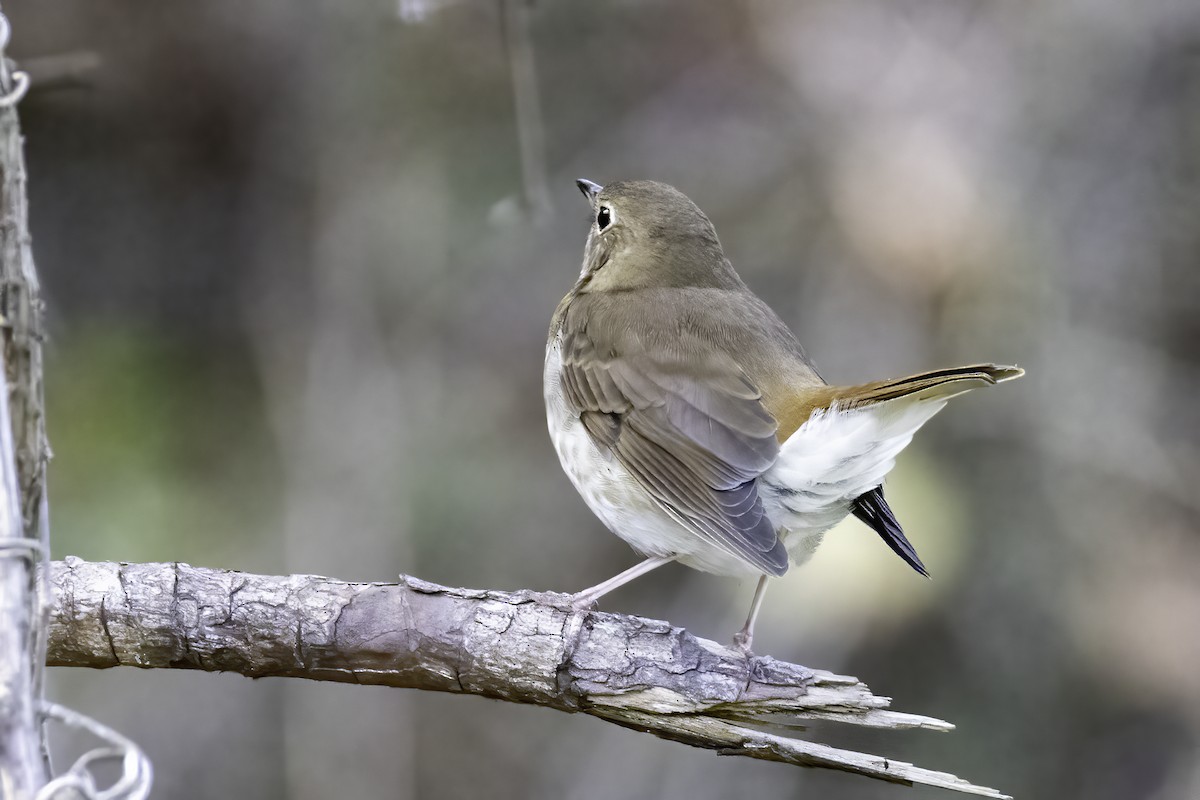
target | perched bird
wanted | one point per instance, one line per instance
(690, 419)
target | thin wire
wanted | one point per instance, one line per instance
(31, 549)
(41, 628)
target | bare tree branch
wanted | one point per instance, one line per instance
(522, 647)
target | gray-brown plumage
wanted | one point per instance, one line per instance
(689, 417)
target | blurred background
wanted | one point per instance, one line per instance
(300, 259)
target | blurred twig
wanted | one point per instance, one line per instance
(62, 70)
(522, 647)
(531, 134)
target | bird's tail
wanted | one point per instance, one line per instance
(875, 512)
(937, 384)
(849, 441)
(926, 392)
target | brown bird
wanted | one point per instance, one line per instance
(690, 419)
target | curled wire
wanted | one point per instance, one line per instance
(137, 774)
(20, 79)
(20, 87)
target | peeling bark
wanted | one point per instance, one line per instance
(523, 647)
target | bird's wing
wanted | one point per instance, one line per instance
(687, 424)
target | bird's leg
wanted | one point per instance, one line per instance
(588, 597)
(743, 638)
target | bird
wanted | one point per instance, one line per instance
(691, 421)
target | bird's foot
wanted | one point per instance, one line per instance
(742, 641)
(583, 601)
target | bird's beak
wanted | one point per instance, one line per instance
(589, 189)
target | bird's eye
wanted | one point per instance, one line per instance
(603, 218)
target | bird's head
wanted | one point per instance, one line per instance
(646, 234)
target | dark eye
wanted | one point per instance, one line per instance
(603, 218)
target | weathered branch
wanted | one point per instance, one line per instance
(523, 647)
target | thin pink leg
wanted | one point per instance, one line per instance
(743, 638)
(588, 597)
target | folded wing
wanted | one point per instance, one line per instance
(690, 428)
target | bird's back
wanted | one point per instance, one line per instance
(690, 321)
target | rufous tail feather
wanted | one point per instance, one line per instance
(941, 383)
